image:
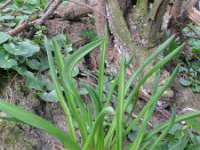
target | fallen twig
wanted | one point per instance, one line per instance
(39, 21)
(49, 11)
(90, 7)
(46, 8)
(4, 5)
(18, 29)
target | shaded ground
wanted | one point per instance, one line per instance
(15, 136)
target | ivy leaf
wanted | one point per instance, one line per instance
(183, 69)
(83, 91)
(194, 43)
(175, 128)
(133, 134)
(34, 64)
(35, 83)
(61, 39)
(7, 63)
(21, 19)
(49, 97)
(90, 34)
(40, 63)
(196, 88)
(10, 24)
(7, 17)
(25, 48)
(184, 82)
(32, 81)
(4, 37)
(196, 65)
(27, 9)
(75, 71)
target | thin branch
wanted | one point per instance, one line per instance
(132, 116)
(176, 9)
(41, 20)
(90, 7)
(18, 29)
(47, 7)
(49, 11)
(4, 5)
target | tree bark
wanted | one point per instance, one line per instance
(155, 19)
(101, 22)
(142, 6)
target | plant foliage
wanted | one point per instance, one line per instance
(94, 134)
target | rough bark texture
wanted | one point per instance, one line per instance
(101, 22)
(142, 6)
(72, 11)
(192, 13)
(125, 5)
(155, 21)
(120, 31)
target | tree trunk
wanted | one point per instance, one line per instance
(137, 30)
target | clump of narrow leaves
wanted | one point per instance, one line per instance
(94, 134)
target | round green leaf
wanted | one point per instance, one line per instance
(196, 88)
(7, 63)
(25, 48)
(182, 69)
(40, 65)
(49, 97)
(196, 65)
(83, 91)
(75, 71)
(3, 37)
(195, 44)
(184, 82)
(34, 64)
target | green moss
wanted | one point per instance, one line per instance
(12, 137)
(121, 31)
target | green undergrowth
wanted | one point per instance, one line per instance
(104, 118)
(27, 56)
(190, 67)
(23, 55)
(103, 125)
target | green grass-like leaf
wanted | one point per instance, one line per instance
(100, 85)
(151, 101)
(178, 119)
(120, 104)
(99, 120)
(38, 122)
(164, 133)
(147, 116)
(149, 73)
(148, 61)
(58, 90)
(70, 90)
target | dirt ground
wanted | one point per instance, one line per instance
(16, 136)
